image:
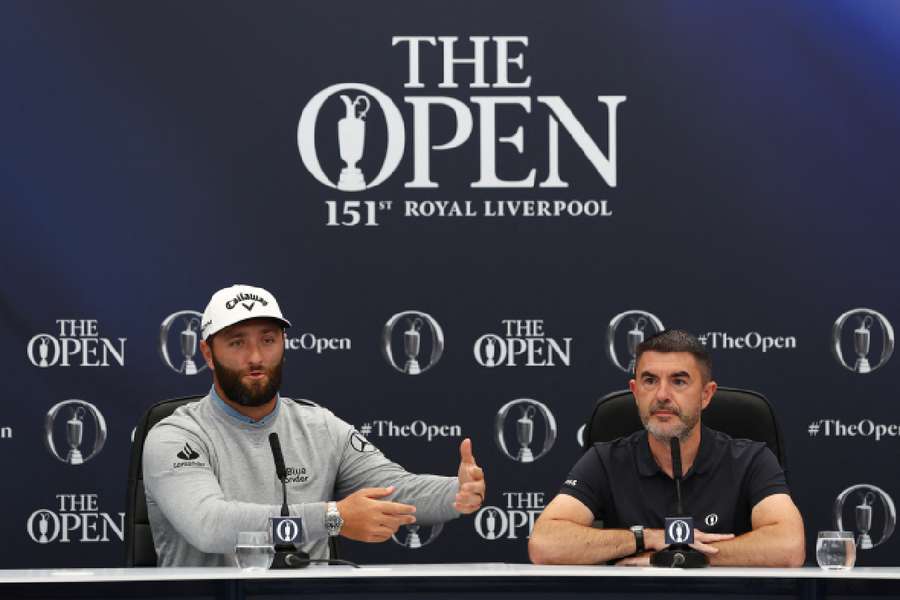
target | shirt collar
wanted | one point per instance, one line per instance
(647, 465)
(231, 412)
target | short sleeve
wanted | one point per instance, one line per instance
(588, 482)
(765, 477)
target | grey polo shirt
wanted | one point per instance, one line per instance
(209, 474)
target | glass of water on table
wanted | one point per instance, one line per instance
(836, 550)
(254, 550)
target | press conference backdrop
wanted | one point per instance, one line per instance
(520, 189)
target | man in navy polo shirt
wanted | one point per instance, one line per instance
(735, 489)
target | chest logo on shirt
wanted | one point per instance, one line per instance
(296, 475)
(711, 519)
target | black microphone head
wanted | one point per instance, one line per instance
(675, 446)
(280, 469)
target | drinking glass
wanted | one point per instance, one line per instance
(836, 550)
(254, 550)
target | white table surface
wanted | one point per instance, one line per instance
(463, 570)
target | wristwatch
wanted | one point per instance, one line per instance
(638, 531)
(333, 519)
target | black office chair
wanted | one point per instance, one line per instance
(739, 413)
(139, 548)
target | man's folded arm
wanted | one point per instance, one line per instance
(192, 500)
(563, 534)
(777, 538)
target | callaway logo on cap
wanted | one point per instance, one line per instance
(238, 303)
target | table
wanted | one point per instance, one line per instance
(476, 581)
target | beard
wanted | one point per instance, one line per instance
(255, 394)
(664, 432)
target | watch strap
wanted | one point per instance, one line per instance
(638, 539)
(333, 520)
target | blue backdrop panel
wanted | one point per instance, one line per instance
(728, 168)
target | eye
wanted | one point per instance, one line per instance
(681, 382)
(236, 343)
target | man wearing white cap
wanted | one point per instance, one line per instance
(208, 470)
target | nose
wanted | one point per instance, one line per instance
(254, 353)
(662, 392)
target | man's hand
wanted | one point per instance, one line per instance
(471, 481)
(655, 539)
(367, 519)
(702, 541)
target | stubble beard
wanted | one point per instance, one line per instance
(665, 432)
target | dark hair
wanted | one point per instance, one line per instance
(677, 340)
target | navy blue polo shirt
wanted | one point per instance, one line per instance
(622, 485)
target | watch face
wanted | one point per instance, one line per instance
(333, 522)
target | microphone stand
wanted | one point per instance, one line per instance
(287, 556)
(678, 555)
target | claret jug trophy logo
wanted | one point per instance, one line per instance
(863, 497)
(487, 521)
(521, 414)
(39, 531)
(641, 325)
(43, 342)
(679, 532)
(865, 320)
(417, 536)
(351, 135)
(351, 141)
(410, 327)
(76, 411)
(187, 325)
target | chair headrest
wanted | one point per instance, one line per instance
(739, 413)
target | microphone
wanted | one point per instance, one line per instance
(280, 470)
(675, 447)
(680, 528)
(286, 554)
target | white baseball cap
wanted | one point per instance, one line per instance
(238, 303)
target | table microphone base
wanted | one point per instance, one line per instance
(679, 557)
(288, 557)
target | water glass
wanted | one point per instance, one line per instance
(254, 550)
(836, 550)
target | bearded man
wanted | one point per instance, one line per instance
(734, 487)
(208, 468)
